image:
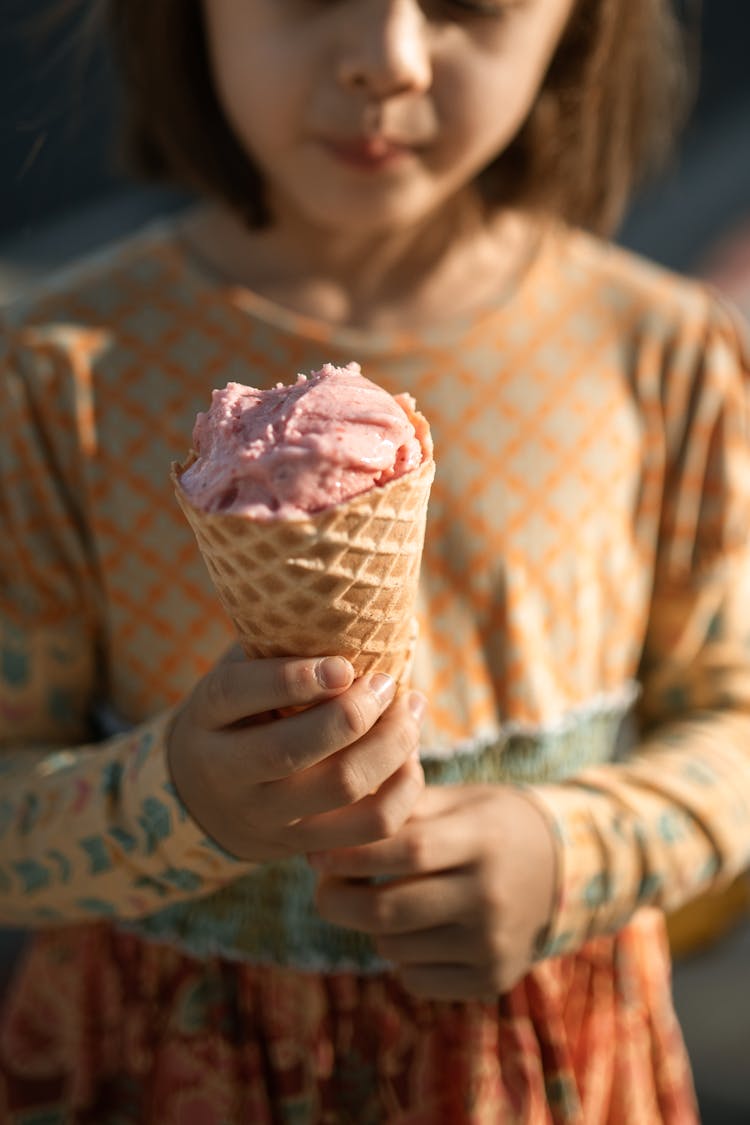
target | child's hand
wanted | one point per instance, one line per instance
(473, 887)
(338, 774)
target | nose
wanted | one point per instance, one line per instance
(387, 51)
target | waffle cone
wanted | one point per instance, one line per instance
(342, 581)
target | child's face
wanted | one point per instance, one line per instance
(366, 115)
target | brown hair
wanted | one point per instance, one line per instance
(608, 110)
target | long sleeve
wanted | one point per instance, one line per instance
(86, 830)
(99, 831)
(674, 819)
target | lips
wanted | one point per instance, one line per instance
(368, 152)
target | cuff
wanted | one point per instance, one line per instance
(175, 851)
(597, 883)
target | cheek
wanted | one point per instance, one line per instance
(253, 85)
(254, 102)
(488, 89)
(480, 117)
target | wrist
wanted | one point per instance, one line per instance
(548, 863)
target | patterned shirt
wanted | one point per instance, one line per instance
(585, 592)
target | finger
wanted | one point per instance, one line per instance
(372, 817)
(398, 907)
(439, 800)
(237, 689)
(300, 741)
(448, 982)
(424, 845)
(438, 945)
(356, 771)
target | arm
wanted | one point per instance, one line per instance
(91, 831)
(98, 831)
(85, 830)
(674, 820)
(486, 878)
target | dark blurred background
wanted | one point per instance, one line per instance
(62, 195)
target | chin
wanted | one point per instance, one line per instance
(365, 214)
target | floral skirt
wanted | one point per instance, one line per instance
(103, 1028)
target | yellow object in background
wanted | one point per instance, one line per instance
(707, 920)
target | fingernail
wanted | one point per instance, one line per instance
(383, 686)
(417, 704)
(333, 672)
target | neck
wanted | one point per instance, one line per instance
(407, 276)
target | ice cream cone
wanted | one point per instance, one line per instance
(342, 581)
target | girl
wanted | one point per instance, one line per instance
(243, 921)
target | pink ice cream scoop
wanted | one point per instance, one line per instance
(293, 450)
